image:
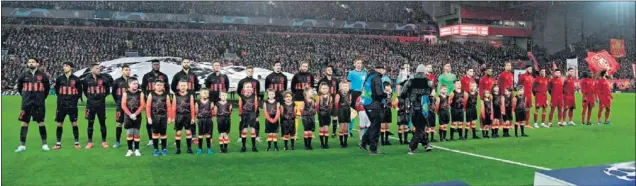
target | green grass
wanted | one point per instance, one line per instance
(553, 148)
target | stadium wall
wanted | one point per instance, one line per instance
(559, 25)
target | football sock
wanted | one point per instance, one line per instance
(43, 134)
(23, 134)
(386, 137)
(149, 131)
(58, 134)
(137, 145)
(285, 141)
(208, 142)
(345, 138)
(178, 144)
(243, 142)
(276, 144)
(155, 143)
(516, 127)
(189, 143)
(452, 133)
(200, 143)
(130, 144)
(163, 143)
(269, 144)
(292, 142)
(382, 138)
(253, 142)
(102, 128)
(76, 134)
(474, 132)
(118, 131)
(522, 130)
(334, 126)
(400, 137)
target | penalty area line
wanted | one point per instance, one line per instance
(483, 156)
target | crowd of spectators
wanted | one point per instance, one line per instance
(372, 11)
(85, 45)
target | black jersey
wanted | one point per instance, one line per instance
(183, 103)
(119, 87)
(289, 111)
(310, 108)
(68, 90)
(249, 104)
(133, 100)
(344, 100)
(508, 102)
(458, 100)
(472, 100)
(222, 109)
(324, 105)
(271, 108)
(443, 103)
(488, 108)
(96, 88)
(205, 110)
(521, 103)
(158, 104)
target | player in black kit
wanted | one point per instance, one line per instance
(272, 113)
(333, 84)
(301, 80)
(443, 113)
(68, 89)
(192, 85)
(471, 111)
(158, 116)
(132, 104)
(487, 114)
(148, 85)
(248, 107)
(204, 109)
(183, 112)
(343, 108)
(287, 122)
(325, 108)
(457, 101)
(119, 87)
(277, 81)
(34, 88)
(96, 87)
(520, 109)
(223, 111)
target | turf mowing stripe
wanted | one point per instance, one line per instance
(482, 156)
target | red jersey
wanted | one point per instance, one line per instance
(540, 86)
(568, 87)
(485, 83)
(432, 78)
(466, 83)
(505, 81)
(587, 87)
(603, 88)
(556, 87)
(526, 80)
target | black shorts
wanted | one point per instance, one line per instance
(100, 111)
(271, 127)
(132, 124)
(387, 115)
(205, 125)
(520, 115)
(431, 119)
(444, 117)
(471, 114)
(223, 124)
(119, 114)
(182, 121)
(497, 113)
(35, 112)
(248, 120)
(324, 120)
(344, 115)
(508, 116)
(61, 113)
(486, 121)
(403, 118)
(288, 127)
(457, 115)
(309, 123)
(159, 124)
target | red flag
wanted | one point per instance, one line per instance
(534, 60)
(602, 61)
(617, 47)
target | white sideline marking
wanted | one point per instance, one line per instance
(483, 156)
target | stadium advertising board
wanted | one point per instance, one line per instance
(463, 30)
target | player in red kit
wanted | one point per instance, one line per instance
(468, 79)
(604, 95)
(505, 78)
(526, 80)
(568, 96)
(486, 82)
(540, 91)
(589, 98)
(555, 87)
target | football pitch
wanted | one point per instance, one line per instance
(502, 161)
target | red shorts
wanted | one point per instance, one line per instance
(541, 101)
(556, 101)
(605, 102)
(569, 102)
(589, 101)
(528, 100)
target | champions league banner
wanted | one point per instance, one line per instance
(613, 174)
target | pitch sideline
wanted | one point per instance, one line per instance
(483, 156)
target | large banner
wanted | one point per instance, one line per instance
(600, 61)
(617, 47)
(574, 63)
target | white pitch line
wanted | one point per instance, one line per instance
(483, 156)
